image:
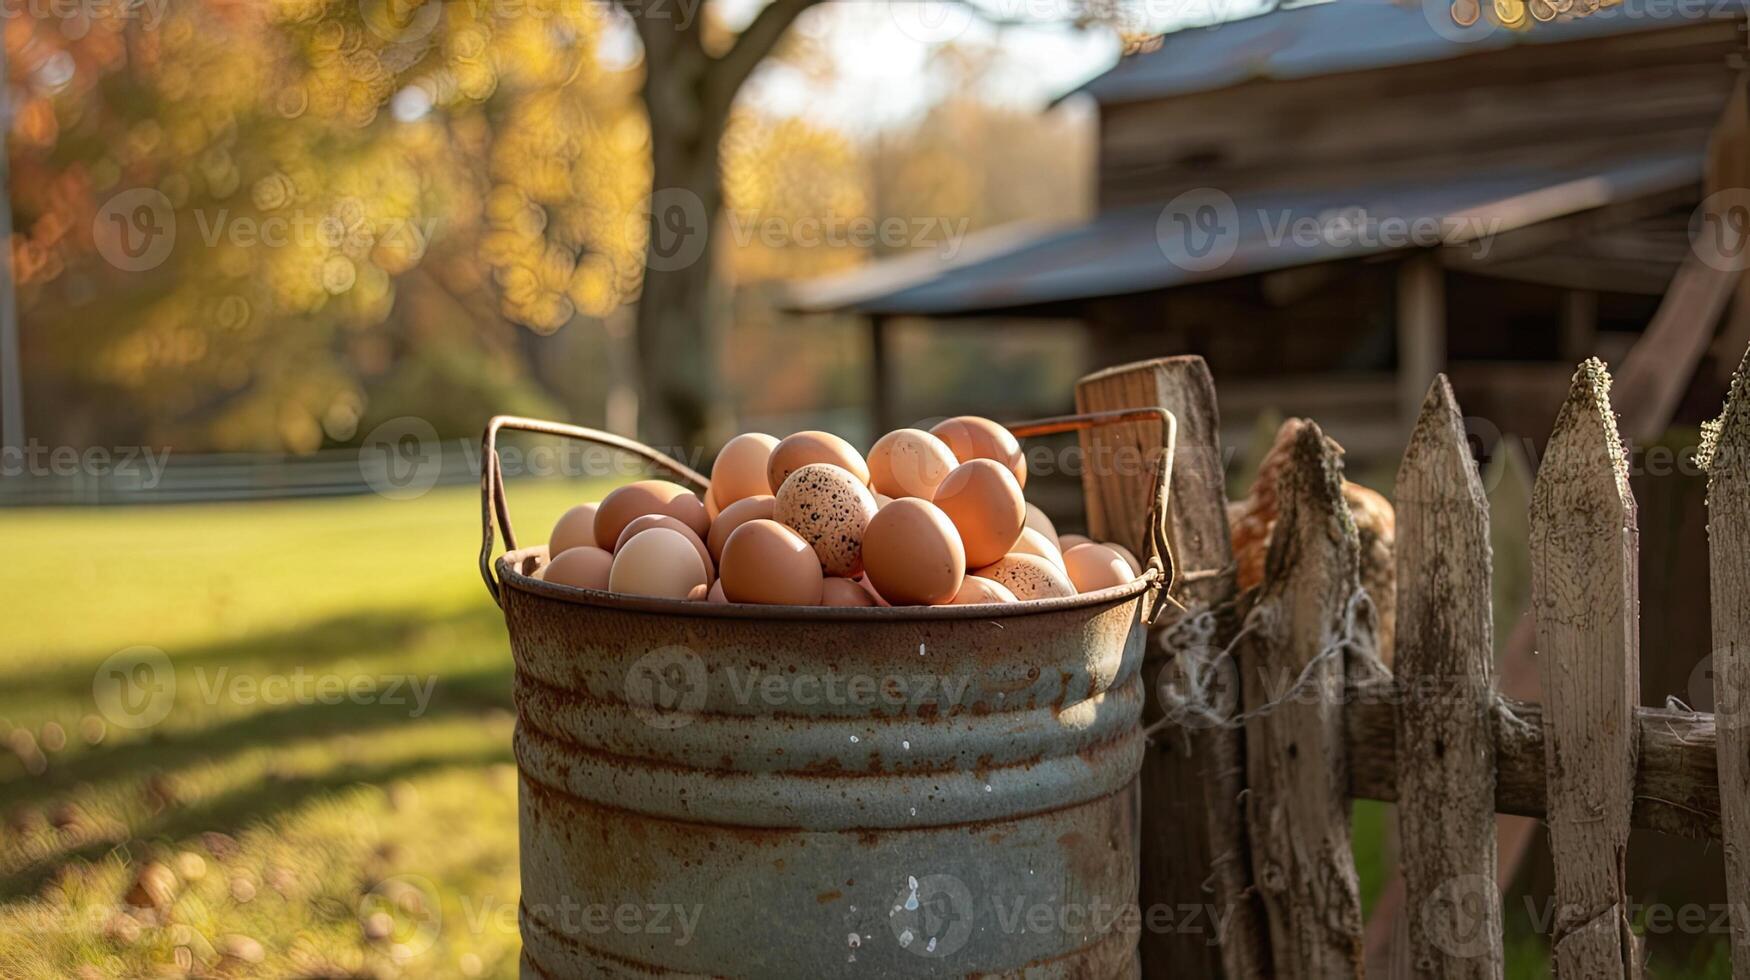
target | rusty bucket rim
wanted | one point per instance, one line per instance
(509, 575)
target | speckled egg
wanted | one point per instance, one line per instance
(831, 508)
(1032, 542)
(1029, 577)
(909, 463)
(977, 591)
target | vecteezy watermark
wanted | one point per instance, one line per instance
(137, 229)
(893, 233)
(668, 687)
(1462, 916)
(403, 913)
(137, 688)
(1721, 687)
(570, 916)
(35, 459)
(402, 459)
(932, 916)
(1719, 230)
(1203, 228)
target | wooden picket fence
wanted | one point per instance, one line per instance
(1253, 815)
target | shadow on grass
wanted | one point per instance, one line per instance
(258, 804)
(355, 636)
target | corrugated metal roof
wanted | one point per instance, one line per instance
(1205, 235)
(1355, 35)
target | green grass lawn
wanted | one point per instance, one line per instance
(286, 828)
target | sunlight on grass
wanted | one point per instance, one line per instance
(331, 791)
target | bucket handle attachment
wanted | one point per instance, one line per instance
(1159, 565)
(492, 502)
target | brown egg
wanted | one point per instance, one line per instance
(867, 586)
(909, 463)
(711, 508)
(830, 508)
(575, 529)
(657, 562)
(798, 450)
(913, 555)
(1032, 542)
(766, 562)
(735, 515)
(1092, 567)
(972, 437)
(1029, 577)
(699, 594)
(1125, 553)
(977, 591)
(882, 500)
(844, 592)
(984, 502)
(584, 567)
(1037, 520)
(1068, 541)
(740, 469)
(622, 504)
(715, 594)
(649, 521)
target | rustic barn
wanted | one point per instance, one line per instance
(1367, 193)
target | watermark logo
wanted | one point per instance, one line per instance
(932, 916)
(1724, 692)
(401, 459)
(1199, 230)
(135, 688)
(403, 913)
(135, 229)
(1719, 230)
(1467, 21)
(1462, 916)
(679, 229)
(931, 22)
(667, 687)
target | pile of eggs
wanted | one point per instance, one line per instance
(928, 518)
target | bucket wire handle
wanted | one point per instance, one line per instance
(492, 502)
(1159, 563)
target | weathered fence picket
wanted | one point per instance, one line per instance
(1728, 502)
(1293, 678)
(1191, 777)
(1585, 590)
(1322, 724)
(1444, 708)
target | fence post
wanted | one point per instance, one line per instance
(1193, 841)
(1728, 503)
(1293, 682)
(1445, 673)
(1586, 595)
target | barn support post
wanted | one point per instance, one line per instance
(880, 377)
(1421, 317)
(1194, 849)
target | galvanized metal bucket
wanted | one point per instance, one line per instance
(756, 791)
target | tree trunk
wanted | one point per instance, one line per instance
(677, 346)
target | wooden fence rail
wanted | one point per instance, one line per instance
(1319, 722)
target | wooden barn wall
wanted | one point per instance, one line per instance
(1530, 105)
